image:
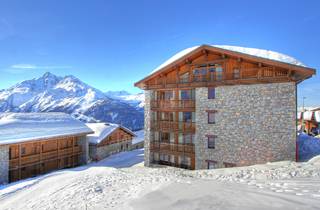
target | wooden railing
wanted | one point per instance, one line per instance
(170, 147)
(213, 78)
(173, 126)
(44, 156)
(173, 104)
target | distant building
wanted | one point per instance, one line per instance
(222, 106)
(108, 139)
(37, 143)
(309, 121)
(138, 140)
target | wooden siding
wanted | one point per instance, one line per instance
(119, 135)
(251, 71)
(38, 157)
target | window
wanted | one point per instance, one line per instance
(10, 153)
(184, 160)
(168, 95)
(186, 117)
(211, 93)
(186, 138)
(186, 94)
(236, 73)
(211, 117)
(23, 150)
(219, 73)
(211, 164)
(211, 141)
(200, 74)
(184, 78)
(167, 137)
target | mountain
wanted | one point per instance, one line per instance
(51, 93)
(136, 100)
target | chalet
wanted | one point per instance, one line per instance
(309, 121)
(214, 106)
(108, 139)
(37, 143)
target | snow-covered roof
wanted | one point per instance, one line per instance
(139, 137)
(20, 127)
(102, 131)
(317, 116)
(266, 54)
(307, 115)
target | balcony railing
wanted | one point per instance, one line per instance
(167, 163)
(173, 126)
(171, 147)
(263, 73)
(173, 104)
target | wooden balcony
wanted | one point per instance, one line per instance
(170, 126)
(44, 156)
(171, 148)
(245, 76)
(172, 104)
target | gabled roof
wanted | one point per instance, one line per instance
(264, 56)
(103, 130)
(21, 127)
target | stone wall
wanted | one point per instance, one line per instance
(147, 132)
(254, 124)
(4, 164)
(98, 153)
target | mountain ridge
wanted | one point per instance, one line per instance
(52, 93)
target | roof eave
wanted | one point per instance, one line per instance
(312, 71)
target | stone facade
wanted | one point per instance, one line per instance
(147, 132)
(4, 164)
(253, 124)
(101, 152)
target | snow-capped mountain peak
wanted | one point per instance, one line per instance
(69, 94)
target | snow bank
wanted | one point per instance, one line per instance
(121, 182)
(308, 147)
(19, 127)
(266, 54)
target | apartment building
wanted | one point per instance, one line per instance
(222, 106)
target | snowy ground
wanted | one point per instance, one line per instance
(121, 182)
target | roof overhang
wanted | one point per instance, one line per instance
(307, 71)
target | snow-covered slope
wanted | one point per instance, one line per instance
(51, 93)
(121, 182)
(136, 100)
(267, 54)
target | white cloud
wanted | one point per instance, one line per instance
(31, 66)
(23, 67)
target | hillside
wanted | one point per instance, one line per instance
(51, 93)
(121, 182)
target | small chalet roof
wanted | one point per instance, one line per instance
(103, 130)
(139, 137)
(21, 127)
(266, 55)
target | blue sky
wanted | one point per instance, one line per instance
(112, 44)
